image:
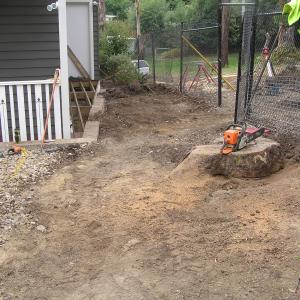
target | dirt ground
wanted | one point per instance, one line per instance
(117, 226)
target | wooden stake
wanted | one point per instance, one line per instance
(78, 107)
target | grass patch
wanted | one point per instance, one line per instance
(172, 66)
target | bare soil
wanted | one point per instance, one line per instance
(117, 226)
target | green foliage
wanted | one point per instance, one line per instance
(121, 70)
(204, 10)
(182, 13)
(163, 17)
(172, 4)
(114, 39)
(152, 15)
(118, 8)
(114, 58)
(118, 28)
(159, 14)
(234, 32)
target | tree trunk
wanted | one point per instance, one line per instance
(225, 34)
(286, 36)
(101, 14)
(282, 3)
(138, 29)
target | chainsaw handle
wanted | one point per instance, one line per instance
(235, 126)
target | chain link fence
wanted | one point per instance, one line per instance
(245, 63)
(166, 48)
(185, 56)
(269, 73)
(200, 60)
(159, 52)
(266, 51)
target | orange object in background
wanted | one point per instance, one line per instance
(15, 150)
(55, 81)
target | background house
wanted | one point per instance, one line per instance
(109, 18)
(34, 42)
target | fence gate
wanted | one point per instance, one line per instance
(268, 88)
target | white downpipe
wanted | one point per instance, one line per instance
(64, 73)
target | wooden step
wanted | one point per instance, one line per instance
(82, 95)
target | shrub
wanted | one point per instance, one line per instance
(114, 40)
(121, 70)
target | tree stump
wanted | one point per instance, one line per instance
(255, 161)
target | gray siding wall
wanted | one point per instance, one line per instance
(29, 40)
(96, 43)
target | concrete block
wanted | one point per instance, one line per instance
(91, 130)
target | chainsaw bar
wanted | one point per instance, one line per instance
(246, 138)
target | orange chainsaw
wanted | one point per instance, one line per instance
(237, 137)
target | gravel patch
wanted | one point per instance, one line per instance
(20, 173)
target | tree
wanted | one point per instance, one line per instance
(101, 14)
(114, 39)
(153, 14)
(225, 34)
(183, 12)
(286, 36)
(118, 8)
(204, 10)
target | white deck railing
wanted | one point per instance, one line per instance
(23, 106)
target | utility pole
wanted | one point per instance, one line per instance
(225, 33)
(138, 29)
(220, 65)
(102, 13)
